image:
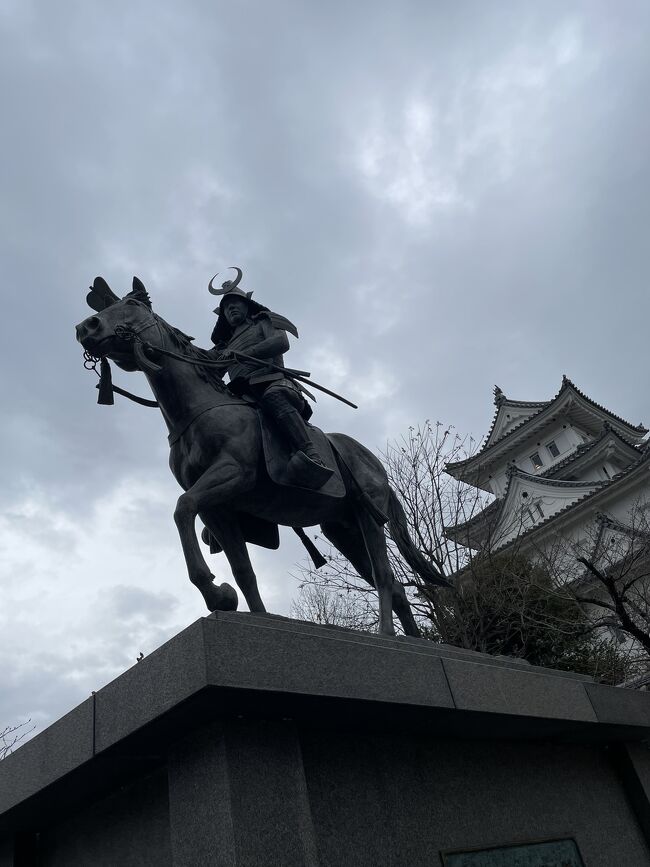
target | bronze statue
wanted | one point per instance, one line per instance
(233, 464)
(245, 327)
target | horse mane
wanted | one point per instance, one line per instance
(183, 344)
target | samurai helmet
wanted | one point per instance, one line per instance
(229, 287)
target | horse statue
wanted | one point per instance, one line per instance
(217, 455)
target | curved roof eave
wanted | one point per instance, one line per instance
(476, 521)
(585, 449)
(601, 489)
(459, 468)
(536, 406)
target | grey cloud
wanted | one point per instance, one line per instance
(127, 603)
(43, 530)
(444, 196)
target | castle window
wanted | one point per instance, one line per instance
(536, 461)
(539, 510)
(607, 473)
(553, 449)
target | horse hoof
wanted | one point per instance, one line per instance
(221, 598)
(229, 599)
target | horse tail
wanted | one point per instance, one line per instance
(400, 535)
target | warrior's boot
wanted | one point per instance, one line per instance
(295, 430)
(306, 465)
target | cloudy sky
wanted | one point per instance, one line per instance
(443, 196)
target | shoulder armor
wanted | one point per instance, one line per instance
(281, 322)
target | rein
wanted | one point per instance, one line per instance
(140, 346)
(107, 387)
(290, 371)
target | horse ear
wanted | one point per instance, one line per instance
(101, 295)
(139, 293)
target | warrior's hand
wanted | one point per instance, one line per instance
(227, 355)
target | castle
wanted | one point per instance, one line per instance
(555, 468)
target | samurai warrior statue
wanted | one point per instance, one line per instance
(247, 330)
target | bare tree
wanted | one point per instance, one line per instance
(607, 571)
(345, 606)
(12, 735)
(431, 500)
(620, 571)
(499, 603)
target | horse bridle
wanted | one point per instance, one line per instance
(132, 335)
(105, 385)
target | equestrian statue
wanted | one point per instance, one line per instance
(244, 451)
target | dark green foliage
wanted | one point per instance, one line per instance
(506, 605)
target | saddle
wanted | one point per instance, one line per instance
(288, 471)
(281, 470)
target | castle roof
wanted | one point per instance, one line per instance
(476, 527)
(609, 440)
(503, 518)
(516, 421)
(586, 492)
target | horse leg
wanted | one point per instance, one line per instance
(218, 484)
(375, 542)
(349, 542)
(231, 539)
(403, 610)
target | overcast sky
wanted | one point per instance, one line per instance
(442, 196)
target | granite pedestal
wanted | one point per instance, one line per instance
(258, 740)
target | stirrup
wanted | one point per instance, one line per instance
(308, 473)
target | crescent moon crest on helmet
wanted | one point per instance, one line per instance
(228, 286)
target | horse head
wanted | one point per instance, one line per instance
(114, 331)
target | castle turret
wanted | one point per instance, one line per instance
(542, 460)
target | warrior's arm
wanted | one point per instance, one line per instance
(278, 344)
(275, 343)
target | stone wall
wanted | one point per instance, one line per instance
(262, 741)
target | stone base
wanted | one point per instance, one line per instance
(258, 740)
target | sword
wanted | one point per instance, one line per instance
(299, 375)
